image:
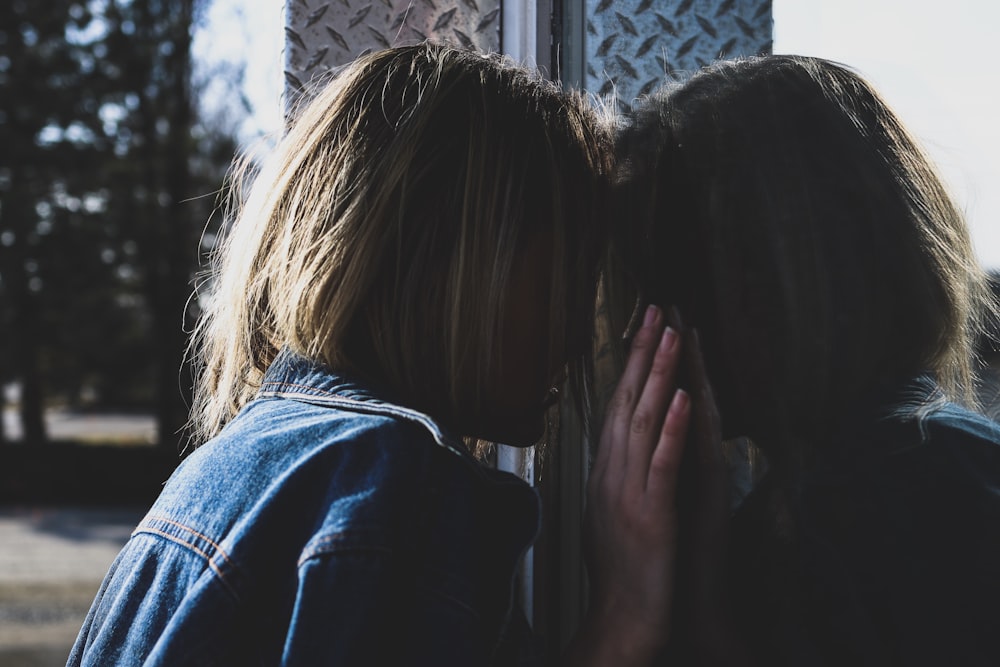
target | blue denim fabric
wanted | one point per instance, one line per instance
(323, 526)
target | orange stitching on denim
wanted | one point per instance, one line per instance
(215, 546)
(208, 559)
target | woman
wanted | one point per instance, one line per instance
(411, 273)
(782, 206)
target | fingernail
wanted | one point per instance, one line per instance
(668, 340)
(652, 313)
(674, 317)
(681, 401)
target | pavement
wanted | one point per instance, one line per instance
(52, 561)
(100, 428)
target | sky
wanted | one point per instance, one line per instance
(251, 33)
(935, 64)
(933, 61)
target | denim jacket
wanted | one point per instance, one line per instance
(323, 526)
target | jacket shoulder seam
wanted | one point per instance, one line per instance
(215, 556)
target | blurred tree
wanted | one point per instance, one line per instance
(107, 179)
(45, 134)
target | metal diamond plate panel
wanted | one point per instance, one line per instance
(320, 36)
(631, 45)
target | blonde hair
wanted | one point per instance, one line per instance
(379, 237)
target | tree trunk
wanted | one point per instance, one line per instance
(179, 237)
(24, 334)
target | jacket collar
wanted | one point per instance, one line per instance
(296, 377)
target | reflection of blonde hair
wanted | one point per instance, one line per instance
(788, 213)
(380, 236)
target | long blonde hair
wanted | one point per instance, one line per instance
(379, 237)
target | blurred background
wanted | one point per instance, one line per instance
(118, 122)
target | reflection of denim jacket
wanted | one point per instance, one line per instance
(322, 526)
(887, 553)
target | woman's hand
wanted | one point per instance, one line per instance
(631, 520)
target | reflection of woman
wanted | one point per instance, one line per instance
(415, 266)
(791, 218)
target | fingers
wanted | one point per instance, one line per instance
(632, 516)
(666, 460)
(646, 428)
(611, 455)
(647, 422)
